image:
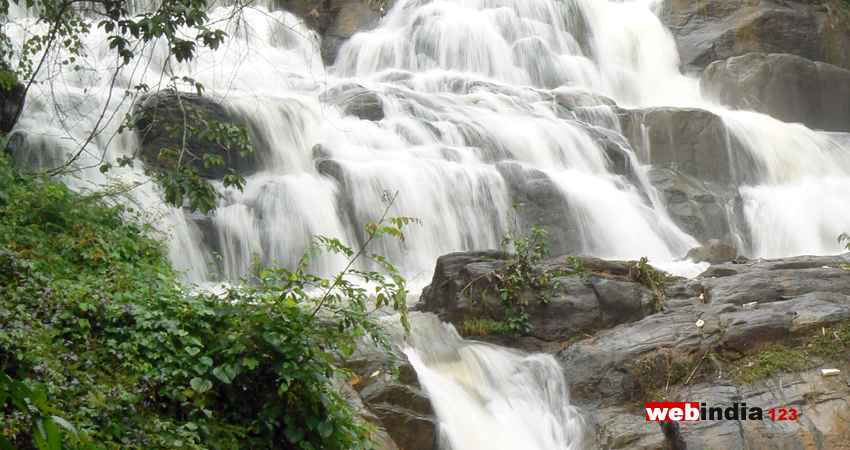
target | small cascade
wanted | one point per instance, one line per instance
(493, 398)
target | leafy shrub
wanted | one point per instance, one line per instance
(95, 318)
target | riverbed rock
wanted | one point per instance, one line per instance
(155, 113)
(787, 87)
(10, 105)
(397, 404)
(346, 20)
(355, 100)
(543, 205)
(463, 288)
(712, 30)
(715, 251)
(690, 140)
(747, 309)
(703, 209)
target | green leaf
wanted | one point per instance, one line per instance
(192, 350)
(200, 385)
(250, 363)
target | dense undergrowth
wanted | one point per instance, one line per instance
(95, 321)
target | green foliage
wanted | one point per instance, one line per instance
(33, 404)
(653, 279)
(482, 326)
(522, 274)
(183, 26)
(96, 320)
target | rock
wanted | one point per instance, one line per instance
(714, 252)
(355, 100)
(399, 404)
(774, 285)
(462, 288)
(762, 265)
(349, 395)
(156, 112)
(787, 87)
(702, 209)
(690, 140)
(821, 405)
(712, 30)
(345, 21)
(11, 102)
(544, 205)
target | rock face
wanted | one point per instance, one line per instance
(793, 296)
(707, 31)
(355, 100)
(690, 140)
(347, 20)
(703, 209)
(715, 251)
(787, 87)
(155, 113)
(462, 288)
(397, 405)
(10, 103)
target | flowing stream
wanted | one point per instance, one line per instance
(470, 92)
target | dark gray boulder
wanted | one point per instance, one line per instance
(344, 21)
(715, 251)
(397, 404)
(543, 205)
(155, 113)
(355, 100)
(787, 87)
(611, 371)
(712, 30)
(11, 103)
(690, 140)
(463, 288)
(703, 209)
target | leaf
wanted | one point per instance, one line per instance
(5, 444)
(222, 375)
(250, 363)
(192, 350)
(200, 385)
(68, 426)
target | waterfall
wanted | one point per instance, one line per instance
(483, 103)
(492, 398)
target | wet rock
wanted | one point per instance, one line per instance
(787, 87)
(344, 21)
(11, 102)
(793, 296)
(712, 30)
(690, 140)
(821, 406)
(353, 400)
(702, 209)
(774, 285)
(715, 251)
(762, 265)
(156, 112)
(397, 403)
(355, 100)
(463, 288)
(544, 205)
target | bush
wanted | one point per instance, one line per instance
(96, 319)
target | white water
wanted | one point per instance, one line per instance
(492, 398)
(466, 85)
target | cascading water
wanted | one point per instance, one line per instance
(493, 398)
(473, 97)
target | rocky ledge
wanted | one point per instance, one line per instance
(757, 332)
